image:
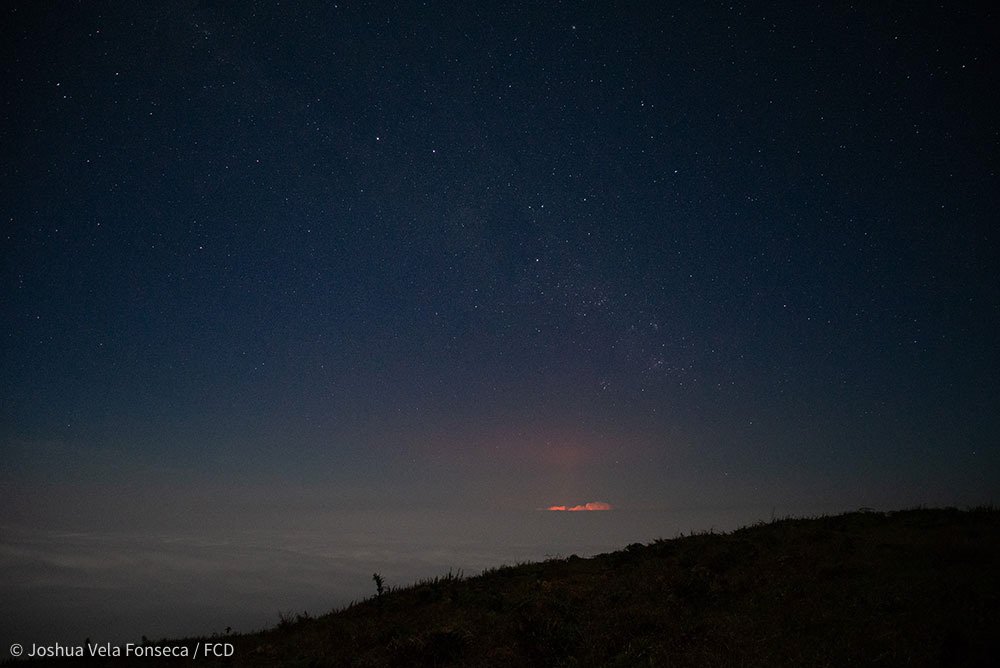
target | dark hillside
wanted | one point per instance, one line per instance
(919, 587)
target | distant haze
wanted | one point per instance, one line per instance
(116, 584)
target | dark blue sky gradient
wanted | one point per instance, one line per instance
(502, 255)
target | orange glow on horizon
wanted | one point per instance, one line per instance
(592, 505)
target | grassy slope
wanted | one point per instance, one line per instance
(917, 587)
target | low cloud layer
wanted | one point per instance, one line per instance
(592, 505)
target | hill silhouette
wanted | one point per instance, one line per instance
(916, 588)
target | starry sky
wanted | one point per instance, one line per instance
(437, 256)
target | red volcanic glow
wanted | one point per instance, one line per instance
(593, 505)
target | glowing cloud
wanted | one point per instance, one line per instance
(593, 505)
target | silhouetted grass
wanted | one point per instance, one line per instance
(916, 588)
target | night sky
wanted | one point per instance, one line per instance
(405, 260)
